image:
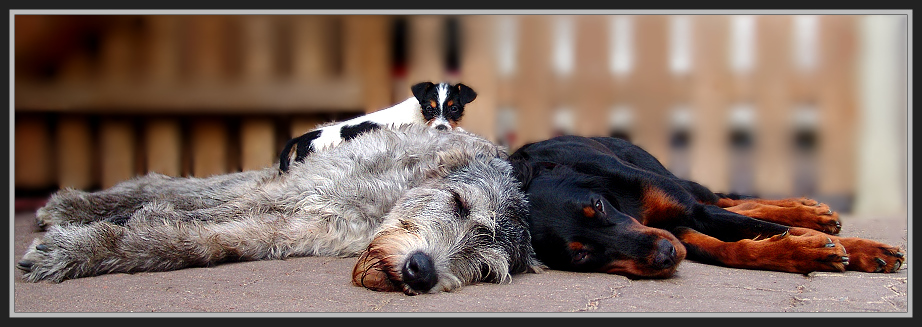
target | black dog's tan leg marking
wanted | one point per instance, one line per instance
(865, 255)
(792, 202)
(801, 212)
(659, 207)
(788, 252)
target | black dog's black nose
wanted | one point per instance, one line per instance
(665, 256)
(419, 272)
(441, 127)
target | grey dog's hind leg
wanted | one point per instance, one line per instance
(70, 206)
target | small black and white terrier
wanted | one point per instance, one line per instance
(439, 106)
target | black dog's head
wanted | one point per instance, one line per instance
(443, 104)
(582, 222)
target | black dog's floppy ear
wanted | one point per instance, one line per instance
(465, 93)
(419, 90)
(526, 171)
(522, 172)
(545, 165)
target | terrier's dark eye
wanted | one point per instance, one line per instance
(453, 109)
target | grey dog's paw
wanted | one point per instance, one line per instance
(43, 262)
(63, 207)
(35, 263)
(45, 217)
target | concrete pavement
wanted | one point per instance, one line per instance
(320, 287)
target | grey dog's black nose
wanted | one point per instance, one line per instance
(441, 127)
(665, 256)
(419, 272)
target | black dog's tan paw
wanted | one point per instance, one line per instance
(809, 202)
(802, 253)
(817, 216)
(799, 251)
(872, 256)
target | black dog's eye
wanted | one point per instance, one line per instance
(453, 109)
(594, 209)
(580, 257)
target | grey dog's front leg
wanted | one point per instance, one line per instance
(155, 238)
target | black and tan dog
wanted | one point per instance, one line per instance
(606, 205)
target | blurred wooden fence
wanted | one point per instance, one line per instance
(99, 99)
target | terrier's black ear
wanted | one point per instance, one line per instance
(419, 90)
(465, 93)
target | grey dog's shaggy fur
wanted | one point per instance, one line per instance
(385, 195)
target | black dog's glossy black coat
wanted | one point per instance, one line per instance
(593, 192)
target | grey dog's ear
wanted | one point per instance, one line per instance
(420, 89)
(465, 93)
(448, 161)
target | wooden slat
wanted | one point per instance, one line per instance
(206, 53)
(163, 146)
(593, 83)
(426, 34)
(257, 138)
(162, 50)
(33, 159)
(116, 57)
(209, 147)
(75, 152)
(318, 96)
(506, 46)
(532, 86)
(773, 161)
(478, 70)
(312, 55)
(258, 45)
(647, 79)
(117, 151)
(710, 102)
(304, 124)
(837, 98)
(367, 57)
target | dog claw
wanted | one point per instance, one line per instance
(24, 265)
(43, 248)
(829, 243)
(845, 260)
(880, 264)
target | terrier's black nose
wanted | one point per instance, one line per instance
(441, 127)
(419, 272)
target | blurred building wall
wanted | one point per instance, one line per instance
(776, 105)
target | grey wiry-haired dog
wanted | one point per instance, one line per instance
(426, 210)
